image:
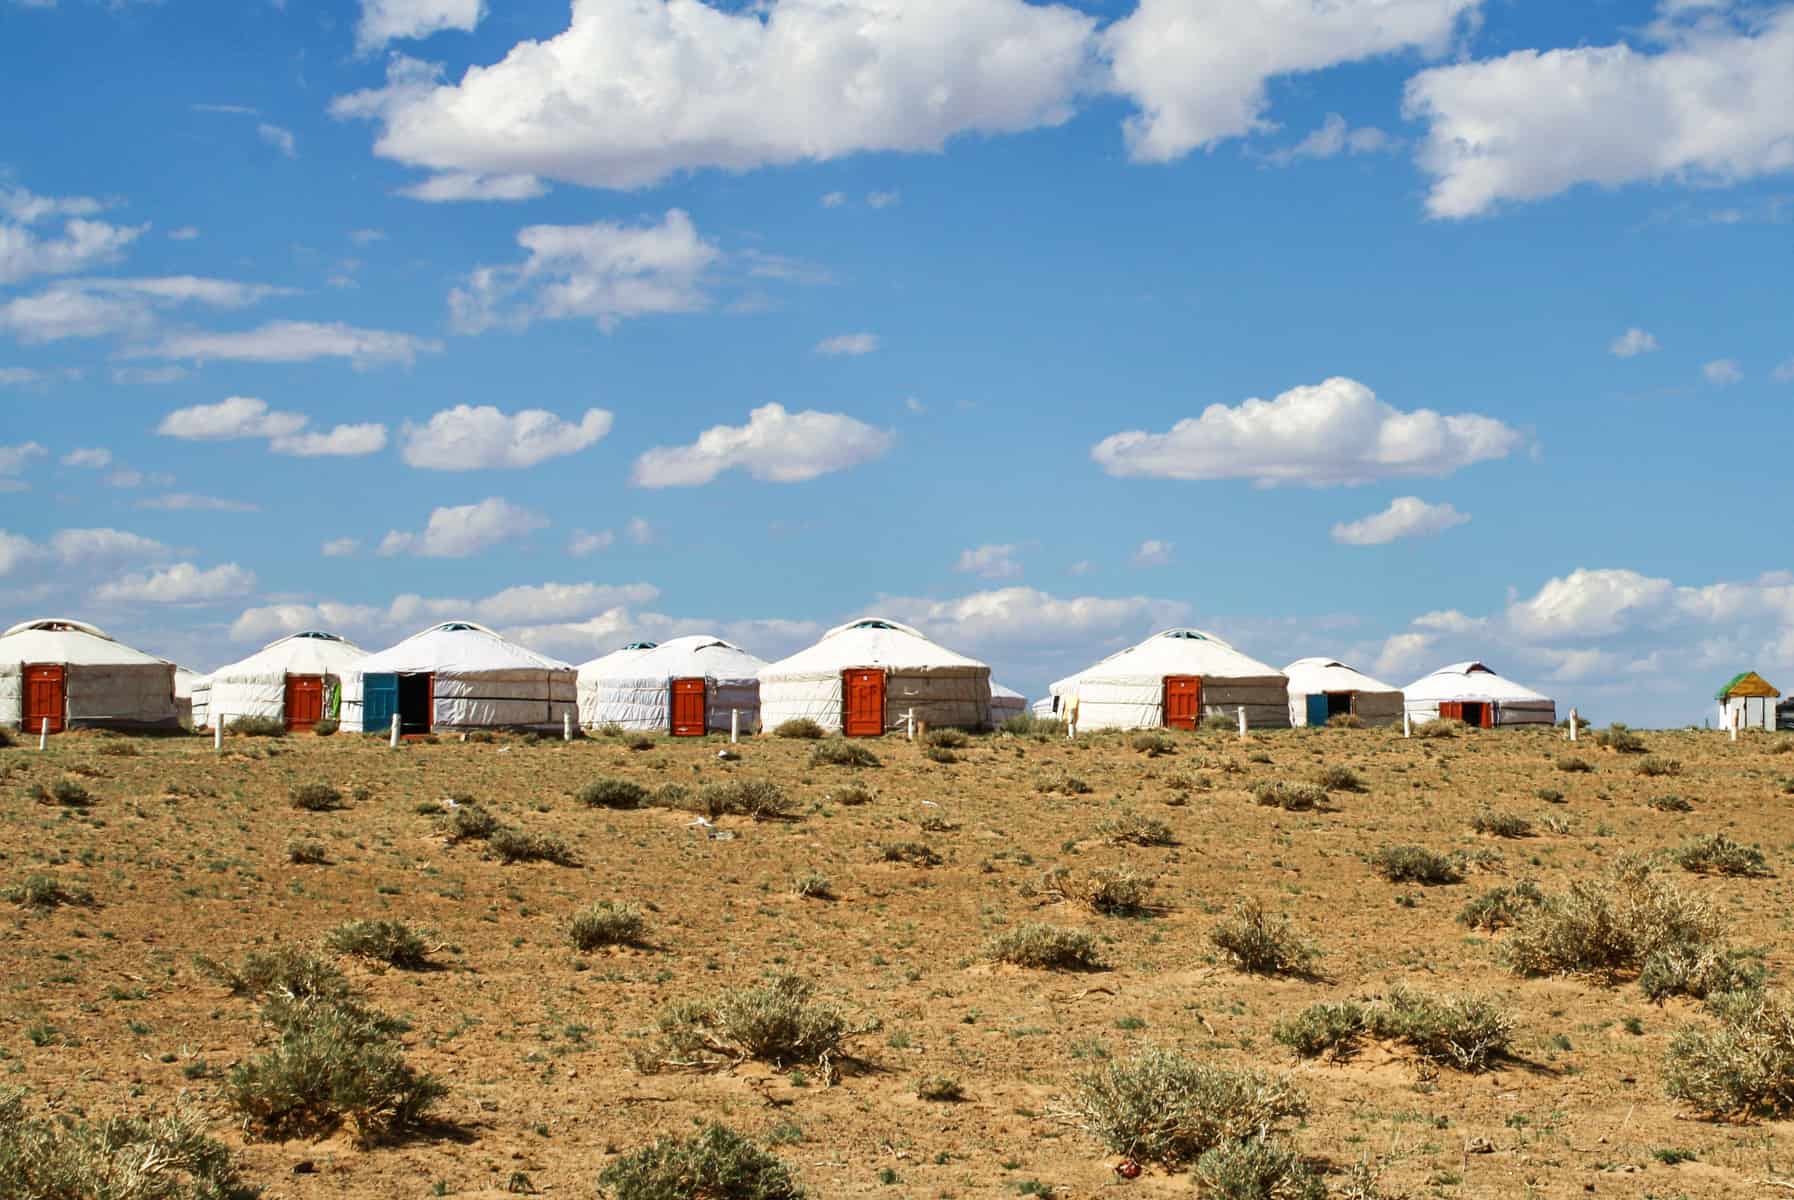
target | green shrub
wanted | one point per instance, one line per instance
(1501, 906)
(1742, 1066)
(1440, 727)
(840, 752)
(118, 748)
(45, 892)
(384, 941)
(1550, 795)
(1111, 891)
(469, 821)
(1259, 943)
(1618, 738)
(716, 1163)
(1340, 779)
(1609, 926)
(1059, 781)
(799, 727)
(1699, 971)
(268, 727)
(940, 1089)
(1415, 864)
(326, 727)
(939, 754)
(1216, 723)
(1462, 1032)
(607, 923)
(515, 846)
(1345, 720)
(1026, 725)
(154, 1157)
(1574, 765)
(1501, 824)
(761, 799)
(1257, 1169)
(1652, 766)
(1045, 947)
(916, 854)
(1153, 744)
(1670, 804)
(613, 793)
(1290, 797)
(947, 739)
(1130, 827)
(1163, 1107)
(295, 972)
(1717, 854)
(65, 792)
(314, 797)
(813, 885)
(852, 795)
(307, 852)
(779, 1022)
(1331, 1029)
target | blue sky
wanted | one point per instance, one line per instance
(1403, 331)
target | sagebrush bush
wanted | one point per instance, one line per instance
(1574, 765)
(65, 792)
(939, 754)
(1501, 906)
(779, 1021)
(840, 752)
(1045, 947)
(852, 795)
(1257, 1168)
(1699, 971)
(1340, 779)
(1345, 720)
(1048, 782)
(470, 821)
(314, 797)
(1609, 926)
(941, 1089)
(1128, 826)
(307, 852)
(269, 727)
(154, 1157)
(1440, 727)
(1670, 804)
(384, 941)
(1652, 766)
(1163, 1107)
(296, 972)
(915, 854)
(1153, 744)
(1261, 943)
(607, 923)
(326, 727)
(799, 727)
(44, 892)
(1500, 824)
(1415, 864)
(947, 738)
(1781, 745)
(761, 799)
(1291, 797)
(812, 885)
(613, 793)
(1463, 1032)
(1742, 1066)
(1330, 1029)
(716, 1163)
(1717, 854)
(516, 845)
(1618, 738)
(1027, 725)
(1111, 891)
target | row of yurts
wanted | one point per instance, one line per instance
(861, 678)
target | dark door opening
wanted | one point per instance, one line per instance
(1477, 714)
(1183, 701)
(1340, 704)
(416, 699)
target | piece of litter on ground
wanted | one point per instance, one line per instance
(931, 804)
(699, 822)
(721, 835)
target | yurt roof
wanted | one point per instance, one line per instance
(997, 690)
(597, 666)
(75, 643)
(684, 658)
(1176, 652)
(1470, 681)
(307, 653)
(458, 647)
(871, 642)
(1312, 676)
(1748, 684)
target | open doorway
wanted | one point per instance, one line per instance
(1341, 704)
(416, 699)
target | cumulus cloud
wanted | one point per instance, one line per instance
(604, 272)
(774, 446)
(834, 199)
(1634, 341)
(1723, 371)
(15, 551)
(1714, 105)
(639, 531)
(182, 583)
(1333, 433)
(849, 344)
(343, 547)
(466, 438)
(279, 138)
(455, 187)
(632, 93)
(1152, 553)
(586, 542)
(547, 602)
(78, 546)
(296, 341)
(233, 417)
(93, 458)
(341, 441)
(1335, 136)
(990, 562)
(98, 307)
(383, 21)
(1587, 603)
(1199, 72)
(15, 458)
(464, 530)
(1406, 516)
(884, 199)
(26, 251)
(1021, 616)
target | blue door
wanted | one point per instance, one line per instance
(379, 701)
(1317, 709)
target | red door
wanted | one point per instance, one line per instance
(43, 699)
(1451, 710)
(305, 701)
(863, 694)
(1183, 701)
(689, 701)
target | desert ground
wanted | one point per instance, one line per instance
(185, 853)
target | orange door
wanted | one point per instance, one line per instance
(1183, 701)
(305, 701)
(689, 701)
(1451, 710)
(863, 703)
(43, 699)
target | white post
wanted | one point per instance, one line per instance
(1407, 724)
(1734, 724)
(1573, 723)
(1242, 721)
(217, 737)
(909, 725)
(734, 726)
(566, 727)
(395, 731)
(43, 734)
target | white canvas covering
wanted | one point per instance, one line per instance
(1472, 682)
(106, 684)
(257, 686)
(635, 691)
(939, 686)
(1372, 701)
(596, 669)
(184, 681)
(201, 700)
(1047, 707)
(1127, 689)
(1005, 703)
(479, 679)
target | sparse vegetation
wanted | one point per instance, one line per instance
(915, 854)
(469, 821)
(1740, 1066)
(1330, 1029)
(760, 799)
(813, 885)
(799, 727)
(1340, 779)
(160, 1156)
(1574, 765)
(307, 852)
(1062, 783)
(1670, 804)
(315, 797)
(1501, 824)
(840, 752)
(1045, 947)
(66, 793)
(1501, 906)
(393, 943)
(266, 727)
(1462, 1032)
(613, 793)
(1153, 744)
(1717, 854)
(1258, 1168)
(607, 923)
(940, 1089)
(1618, 738)
(1652, 766)
(1130, 827)
(716, 1163)
(947, 738)
(1440, 727)
(516, 845)
(1290, 797)
(779, 1022)
(1415, 864)
(45, 892)
(1111, 891)
(1260, 943)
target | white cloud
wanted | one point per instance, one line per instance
(16, 551)
(639, 531)
(604, 272)
(384, 21)
(632, 93)
(97, 307)
(465, 530)
(1199, 72)
(1722, 371)
(884, 199)
(1450, 621)
(182, 583)
(21, 377)
(554, 601)
(18, 204)
(279, 138)
(14, 459)
(233, 417)
(192, 502)
(1152, 553)
(547, 602)
(1335, 136)
(990, 562)
(148, 375)
(1404, 654)
(1023, 616)
(850, 344)
(466, 438)
(914, 405)
(1714, 105)
(95, 458)
(1633, 342)
(586, 542)
(457, 186)
(774, 446)
(130, 477)
(342, 441)
(82, 244)
(1332, 433)
(75, 546)
(343, 547)
(297, 341)
(1784, 372)
(1587, 603)
(1406, 516)
(834, 199)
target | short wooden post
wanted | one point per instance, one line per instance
(1574, 721)
(43, 735)
(217, 737)
(1242, 721)
(922, 729)
(909, 725)
(566, 727)
(395, 732)
(734, 726)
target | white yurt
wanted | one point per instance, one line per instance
(457, 676)
(77, 676)
(1047, 707)
(1174, 679)
(199, 701)
(863, 677)
(1005, 703)
(184, 683)
(1323, 688)
(596, 669)
(300, 679)
(686, 686)
(1472, 693)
